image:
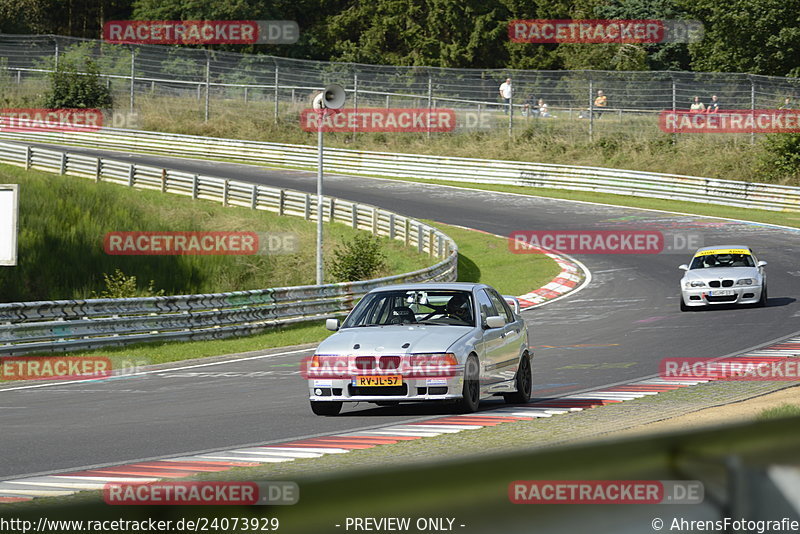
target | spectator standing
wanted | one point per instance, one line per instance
(505, 93)
(787, 103)
(697, 106)
(713, 106)
(600, 103)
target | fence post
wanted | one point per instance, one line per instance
(374, 221)
(674, 108)
(391, 226)
(225, 188)
(752, 107)
(354, 216)
(133, 74)
(307, 214)
(208, 82)
(98, 169)
(56, 56)
(591, 111)
(275, 111)
(28, 157)
(254, 197)
(281, 202)
(62, 166)
(131, 174)
(430, 103)
(511, 114)
(195, 192)
(355, 99)
(163, 180)
(420, 239)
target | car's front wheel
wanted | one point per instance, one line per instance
(326, 407)
(684, 307)
(763, 300)
(524, 383)
(471, 390)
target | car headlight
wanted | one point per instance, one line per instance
(694, 283)
(745, 282)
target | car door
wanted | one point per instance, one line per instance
(512, 337)
(494, 343)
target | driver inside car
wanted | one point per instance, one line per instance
(458, 306)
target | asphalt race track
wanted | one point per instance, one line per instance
(616, 329)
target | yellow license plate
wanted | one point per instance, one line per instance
(379, 380)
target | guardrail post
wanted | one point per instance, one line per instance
(195, 192)
(354, 216)
(275, 111)
(131, 175)
(307, 207)
(28, 157)
(163, 180)
(225, 187)
(439, 246)
(431, 241)
(420, 239)
(98, 169)
(333, 209)
(254, 197)
(391, 226)
(374, 221)
(281, 201)
(407, 232)
(62, 166)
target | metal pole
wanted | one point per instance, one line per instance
(430, 103)
(674, 107)
(355, 99)
(591, 111)
(752, 108)
(511, 113)
(275, 112)
(133, 74)
(320, 271)
(56, 58)
(208, 83)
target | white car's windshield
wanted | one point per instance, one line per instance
(430, 307)
(710, 261)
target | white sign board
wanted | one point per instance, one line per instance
(9, 206)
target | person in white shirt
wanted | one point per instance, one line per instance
(505, 93)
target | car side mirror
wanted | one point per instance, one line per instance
(495, 321)
(761, 264)
(683, 267)
(513, 302)
(332, 324)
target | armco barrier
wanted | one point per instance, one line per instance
(466, 170)
(81, 324)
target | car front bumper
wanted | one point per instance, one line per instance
(411, 390)
(704, 296)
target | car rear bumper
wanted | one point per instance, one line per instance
(741, 295)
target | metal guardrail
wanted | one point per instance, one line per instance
(466, 170)
(82, 324)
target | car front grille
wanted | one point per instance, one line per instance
(726, 298)
(720, 283)
(394, 391)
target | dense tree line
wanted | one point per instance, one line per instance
(756, 36)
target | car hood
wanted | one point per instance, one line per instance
(720, 273)
(390, 339)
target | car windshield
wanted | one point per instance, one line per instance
(416, 306)
(710, 261)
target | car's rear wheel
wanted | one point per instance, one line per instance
(471, 390)
(524, 383)
(326, 407)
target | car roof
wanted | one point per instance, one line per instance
(723, 247)
(431, 286)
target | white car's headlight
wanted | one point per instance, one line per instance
(694, 283)
(744, 282)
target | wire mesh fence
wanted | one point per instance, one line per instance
(283, 86)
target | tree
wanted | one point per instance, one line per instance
(71, 87)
